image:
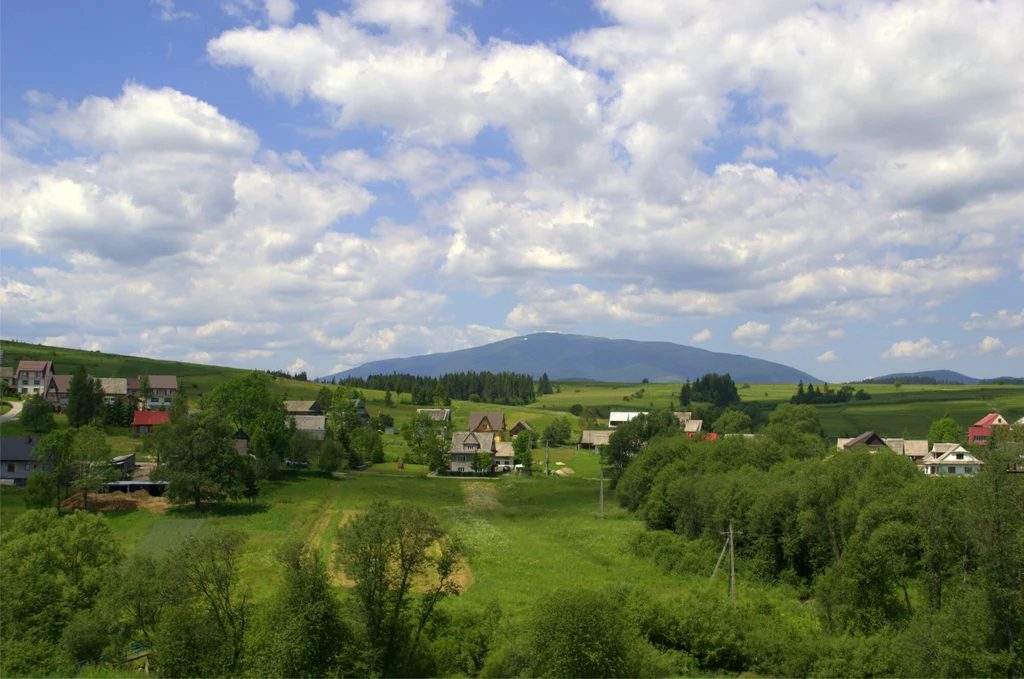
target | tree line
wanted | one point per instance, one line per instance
(506, 388)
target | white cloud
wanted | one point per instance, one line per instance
(279, 12)
(838, 333)
(298, 366)
(1015, 351)
(701, 337)
(990, 345)
(169, 13)
(750, 333)
(923, 348)
(827, 357)
(1001, 320)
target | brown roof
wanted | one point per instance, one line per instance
(522, 426)
(868, 438)
(596, 437)
(438, 414)
(495, 420)
(63, 382)
(35, 366)
(504, 449)
(132, 383)
(163, 382)
(461, 438)
(301, 407)
(683, 417)
(6, 371)
(113, 386)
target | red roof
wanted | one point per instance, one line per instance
(987, 420)
(149, 418)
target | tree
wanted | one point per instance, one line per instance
(55, 452)
(481, 462)
(576, 409)
(384, 552)
(367, 445)
(83, 404)
(245, 402)
(302, 446)
(387, 399)
(732, 422)
(523, 447)
(544, 385)
(559, 432)
(945, 430)
(37, 415)
(324, 398)
(344, 414)
(40, 490)
(419, 433)
(332, 454)
(93, 463)
(200, 461)
(629, 438)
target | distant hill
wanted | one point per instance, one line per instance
(937, 375)
(577, 357)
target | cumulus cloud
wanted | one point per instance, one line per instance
(1001, 320)
(838, 333)
(921, 349)
(1015, 351)
(701, 337)
(169, 13)
(990, 345)
(750, 333)
(827, 357)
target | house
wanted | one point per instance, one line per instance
(504, 457)
(467, 444)
(56, 392)
(869, 439)
(693, 427)
(980, 433)
(364, 414)
(951, 458)
(32, 376)
(7, 376)
(314, 425)
(303, 408)
(241, 441)
(436, 414)
(520, 427)
(485, 422)
(19, 459)
(132, 386)
(916, 450)
(593, 438)
(114, 388)
(162, 390)
(683, 417)
(617, 418)
(144, 420)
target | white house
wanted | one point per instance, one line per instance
(951, 458)
(617, 418)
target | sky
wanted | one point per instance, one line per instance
(289, 184)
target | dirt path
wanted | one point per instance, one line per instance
(480, 495)
(12, 413)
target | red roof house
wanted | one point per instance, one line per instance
(145, 420)
(980, 433)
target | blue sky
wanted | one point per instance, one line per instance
(836, 186)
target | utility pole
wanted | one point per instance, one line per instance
(732, 564)
(601, 481)
(547, 460)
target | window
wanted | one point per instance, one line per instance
(952, 470)
(959, 456)
(35, 382)
(10, 467)
(24, 390)
(28, 467)
(461, 469)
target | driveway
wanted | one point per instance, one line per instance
(12, 413)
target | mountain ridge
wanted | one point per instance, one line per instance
(566, 356)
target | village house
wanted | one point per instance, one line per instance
(241, 441)
(32, 376)
(19, 459)
(520, 427)
(314, 425)
(915, 449)
(364, 414)
(504, 456)
(683, 417)
(693, 427)
(592, 438)
(487, 422)
(143, 421)
(868, 439)
(466, 445)
(114, 388)
(981, 431)
(56, 392)
(302, 408)
(436, 414)
(951, 458)
(162, 390)
(616, 418)
(7, 376)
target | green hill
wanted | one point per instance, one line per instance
(194, 378)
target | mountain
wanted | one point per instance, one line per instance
(579, 357)
(939, 375)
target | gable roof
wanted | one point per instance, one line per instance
(438, 414)
(522, 425)
(35, 366)
(619, 416)
(504, 449)
(61, 382)
(683, 417)
(133, 383)
(596, 437)
(483, 439)
(908, 447)
(301, 406)
(163, 381)
(114, 386)
(6, 371)
(17, 448)
(693, 426)
(943, 453)
(868, 438)
(495, 419)
(149, 418)
(991, 420)
(311, 422)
